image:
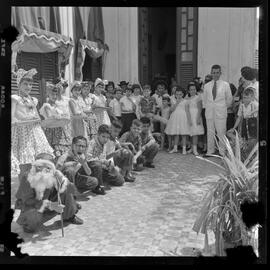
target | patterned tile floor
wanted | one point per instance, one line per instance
(151, 217)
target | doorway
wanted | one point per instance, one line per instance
(162, 44)
(168, 40)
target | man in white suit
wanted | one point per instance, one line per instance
(217, 97)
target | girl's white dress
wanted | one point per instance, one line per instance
(27, 140)
(178, 123)
(193, 109)
(102, 115)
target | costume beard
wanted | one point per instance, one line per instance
(40, 181)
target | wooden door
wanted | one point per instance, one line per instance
(143, 45)
(186, 44)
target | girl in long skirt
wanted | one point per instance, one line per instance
(85, 101)
(57, 136)
(99, 104)
(27, 136)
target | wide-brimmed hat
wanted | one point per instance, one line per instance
(123, 83)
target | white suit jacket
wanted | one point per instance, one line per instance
(217, 108)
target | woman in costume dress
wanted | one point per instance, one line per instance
(56, 135)
(27, 136)
(99, 104)
(85, 101)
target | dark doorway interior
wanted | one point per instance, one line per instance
(162, 43)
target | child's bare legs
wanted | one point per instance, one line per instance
(184, 143)
(176, 141)
(170, 142)
(194, 144)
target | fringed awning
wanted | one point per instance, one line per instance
(36, 40)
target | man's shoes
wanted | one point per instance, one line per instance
(99, 190)
(138, 168)
(129, 179)
(79, 206)
(75, 220)
(149, 165)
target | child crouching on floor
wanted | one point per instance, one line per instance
(120, 153)
(97, 151)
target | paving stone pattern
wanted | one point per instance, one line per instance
(151, 217)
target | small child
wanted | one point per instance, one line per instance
(194, 108)
(119, 152)
(248, 113)
(149, 146)
(100, 104)
(128, 109)
(136, 97)
(115, 104)
(97, 151)
(147, 105)
(178, 122)
(133, 137)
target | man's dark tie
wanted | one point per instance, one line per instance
(214, 90)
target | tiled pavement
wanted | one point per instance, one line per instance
(151, 217)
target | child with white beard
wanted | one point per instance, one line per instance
(38, 190)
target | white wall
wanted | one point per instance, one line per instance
(121, 35)
(226, 37)
(66, 20)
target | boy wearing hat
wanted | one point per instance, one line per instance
(123, 85)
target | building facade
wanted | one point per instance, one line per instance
(141, 44)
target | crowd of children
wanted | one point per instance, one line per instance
(102, 134)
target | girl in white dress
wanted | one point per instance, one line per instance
(178, 122)
(58, 136)
(27, 136)
(78, 125)
(99, 104)
(86, 101)
(194, 106)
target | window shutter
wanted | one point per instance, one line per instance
(46, 65)
(186, 44)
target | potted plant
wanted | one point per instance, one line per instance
(238, 183)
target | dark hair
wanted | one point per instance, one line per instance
(78, 138)
(117, 124)
(166, 98)
(110, 83)
(136, 122)
(136, 86)
(104, 129)
(233, 88)
(192, 84)
(180, 89)
(145, 120)
(147, 86)
(248, 73)
(249, 91)
(129, 89)
(216, 67)
(208, 78)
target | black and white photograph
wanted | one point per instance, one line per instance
(134, 130)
